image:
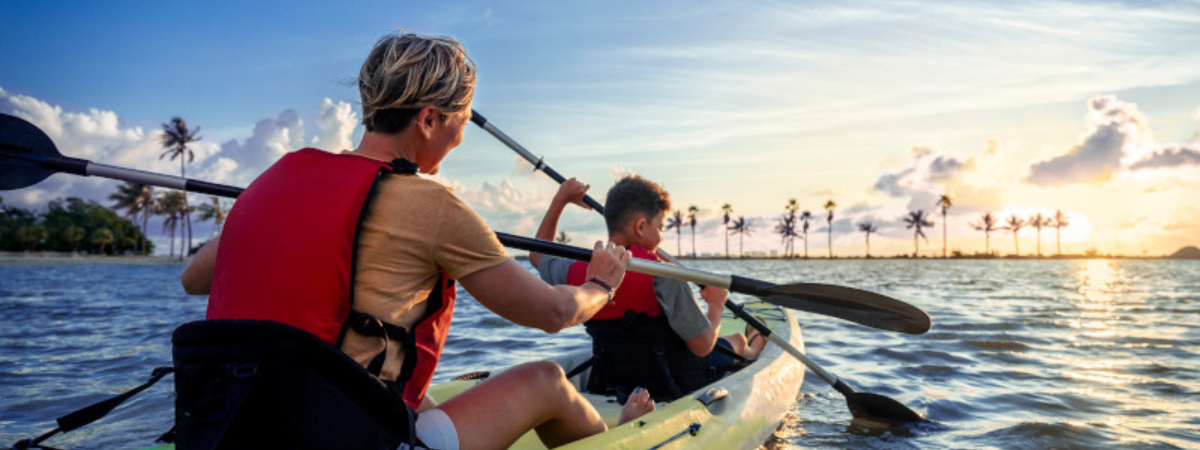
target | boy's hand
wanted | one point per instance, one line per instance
(714, 296)
(572, 191)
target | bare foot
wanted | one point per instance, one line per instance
(638, 405)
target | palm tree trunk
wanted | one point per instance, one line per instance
(868, 245)
(987, 242)
(693, 242)
(943, 234)
(805, 244)
(741, 246)
(726, 243)
(1058, 239)
(916, 247)
(1017, 244)
(187, 218)
(830, 240)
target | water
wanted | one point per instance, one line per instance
(1022, 354)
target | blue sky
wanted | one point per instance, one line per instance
(720, 101)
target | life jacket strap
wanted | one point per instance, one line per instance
(371, 326)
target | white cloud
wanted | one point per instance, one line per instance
(1114, 128)
(336, 123)
(1118, 140)
(919, 180)
(95, 135)
(270, 140)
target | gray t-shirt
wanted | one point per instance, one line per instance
(674, 296)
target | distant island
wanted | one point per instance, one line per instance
(1186, 253)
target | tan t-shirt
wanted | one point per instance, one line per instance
(412, 230)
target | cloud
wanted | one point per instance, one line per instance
(1174, 156)
(919, 181)
(336, 123)
(270, 140)
(1114, 129)
(96, 135)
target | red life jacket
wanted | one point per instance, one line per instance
(636, 292)
(287, 254)
(633, 344)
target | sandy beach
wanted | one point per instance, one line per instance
(60, 258)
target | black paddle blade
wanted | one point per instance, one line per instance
(876, 411)
(21, 144)
(855, 305)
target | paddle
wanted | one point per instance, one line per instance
(28, 156)
(804, 296)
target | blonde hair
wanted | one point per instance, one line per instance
(406, 72)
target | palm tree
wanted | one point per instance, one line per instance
(171, 205)
(787, 232)
(31, 235)
(675, 222)
(73, 234)
(916, 221)
(102, 236)
(868, 227)
(741, 228)
(562, 238)
(1060, 221)
(1038, 221)
(804, 218)
(691, 215)
(728, 209)
(213, 211)
(944, 203)
(987, 224)
(175, 140)
(830, 206)
(792, 207)
(1015, 224)
(134, 199)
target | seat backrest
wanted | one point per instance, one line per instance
(263, 384)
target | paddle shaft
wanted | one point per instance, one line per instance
(538, 163)
(640, 265)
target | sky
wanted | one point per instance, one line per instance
(1092, 108)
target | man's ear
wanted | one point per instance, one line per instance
(426, 119)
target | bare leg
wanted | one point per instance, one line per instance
(498, 411)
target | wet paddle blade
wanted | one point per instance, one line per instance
(21, 144)
(873, 410)
(855, 305)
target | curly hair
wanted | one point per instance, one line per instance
(631, 196)
(406, 72)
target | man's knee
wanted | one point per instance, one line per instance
(544, 373)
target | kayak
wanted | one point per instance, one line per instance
(740, 411)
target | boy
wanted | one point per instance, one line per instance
(652, 334)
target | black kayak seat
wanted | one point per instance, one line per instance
(266, 385)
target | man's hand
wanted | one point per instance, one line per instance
(608, 264)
